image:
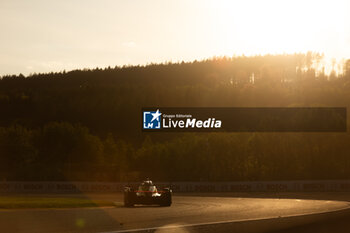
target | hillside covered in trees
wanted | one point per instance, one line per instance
(85, 124)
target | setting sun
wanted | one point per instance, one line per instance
(260, 27)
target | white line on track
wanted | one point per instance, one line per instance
(224, 222)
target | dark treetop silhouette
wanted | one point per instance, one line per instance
(85, 124)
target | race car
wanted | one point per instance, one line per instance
(147, 194)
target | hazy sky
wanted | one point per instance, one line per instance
(45, 35)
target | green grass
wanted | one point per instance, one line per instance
(18, 202)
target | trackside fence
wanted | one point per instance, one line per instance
(106, 187)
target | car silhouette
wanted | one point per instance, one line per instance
(147, 194)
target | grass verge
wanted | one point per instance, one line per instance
(19, 202)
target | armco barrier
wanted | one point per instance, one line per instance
(104, 187)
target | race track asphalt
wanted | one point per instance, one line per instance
(189, 213)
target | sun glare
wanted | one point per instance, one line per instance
(256, 27)
(261, 27)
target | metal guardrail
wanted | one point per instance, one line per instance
(109, 187)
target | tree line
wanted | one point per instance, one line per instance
(85, 124)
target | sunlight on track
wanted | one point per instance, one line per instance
(178, 228)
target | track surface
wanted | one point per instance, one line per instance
(184, 211)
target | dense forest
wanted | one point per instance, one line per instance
(85, 124)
